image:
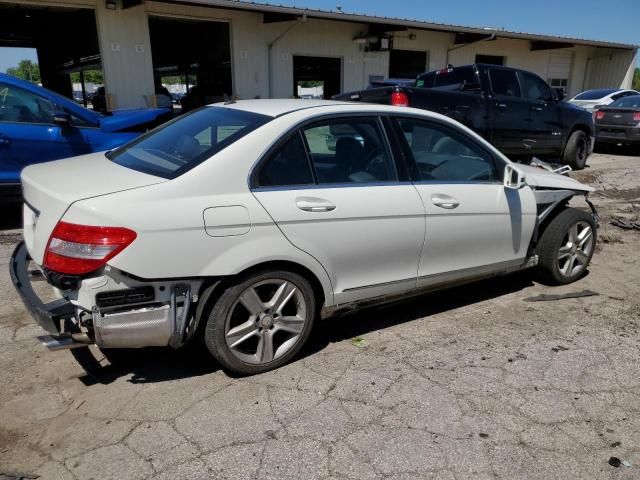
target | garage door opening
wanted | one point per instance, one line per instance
(407, 63)
(191, 59)
(316, 77)
(55, 33)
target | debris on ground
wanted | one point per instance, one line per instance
(626, 463)
(546, 297)
(359, 342)
(615, 444)
(615, 462)
(559, 348)
(17, 476)
(624, 223)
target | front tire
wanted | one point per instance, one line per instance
(576, 151)
(566, 246)
(261, 321)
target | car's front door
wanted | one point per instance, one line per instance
(473, 224)
(28, 134)
(510, 115)
(545, 113)
(333, 189)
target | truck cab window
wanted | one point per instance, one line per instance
(504, 82)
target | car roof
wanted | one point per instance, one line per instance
(277, 107)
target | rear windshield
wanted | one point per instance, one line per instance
(447, 78)
(183, 143)
(627, 102)
(595, 94)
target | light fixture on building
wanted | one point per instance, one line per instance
(110, 4)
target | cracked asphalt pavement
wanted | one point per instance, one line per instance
(472, 383)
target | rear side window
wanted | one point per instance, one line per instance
(180, 145)
(349, 151)
(444, 155)
(504, 82)
(288, 165)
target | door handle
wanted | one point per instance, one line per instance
(536, 108)
(4, 140)
(501, 106)
(314, 205)
(444, 201)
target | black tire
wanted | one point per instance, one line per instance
(555, 236)
(576, 151)
(221, 312)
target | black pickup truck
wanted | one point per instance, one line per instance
(515, 110)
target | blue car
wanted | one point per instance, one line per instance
(38, 125)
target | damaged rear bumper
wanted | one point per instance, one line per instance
(123, 319)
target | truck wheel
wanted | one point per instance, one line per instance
(566, 246)
(261, 321)
(577, 150)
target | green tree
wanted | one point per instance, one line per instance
(26, 70)
(90, 76)
(636, 79)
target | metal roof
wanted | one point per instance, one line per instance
(401, 22)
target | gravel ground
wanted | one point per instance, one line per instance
(473, 383)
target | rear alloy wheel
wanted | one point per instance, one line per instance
(576, 151)
(567, 245)
(261, 323)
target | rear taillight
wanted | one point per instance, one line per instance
(599, 115)
(79, 249)
(399, 99)
(636, 116)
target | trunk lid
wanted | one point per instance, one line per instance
(50, 188)
(617, 116)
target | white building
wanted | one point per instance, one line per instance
(249, 50)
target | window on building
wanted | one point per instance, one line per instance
(490, 59)
(407, 63)
(558, 82)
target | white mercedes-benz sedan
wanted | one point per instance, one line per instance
(248, 221)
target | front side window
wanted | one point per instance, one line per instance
(535, 89)
(349, 151)
(443, 155)
(18, 105)
(181, 144)
(504, 82)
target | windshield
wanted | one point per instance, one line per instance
(627, 102)
(180, 145)
(595, 94)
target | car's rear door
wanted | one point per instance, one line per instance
(474, 225)
(333, 188)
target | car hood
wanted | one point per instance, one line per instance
(50, 188)
(127, 118)
(541, 178)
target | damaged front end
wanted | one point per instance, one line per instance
(112, 310)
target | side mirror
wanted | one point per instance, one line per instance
(62, 119)
(513, 178)
(561, 93)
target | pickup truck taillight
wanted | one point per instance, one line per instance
(79, 249)
(599, 115)
(636, 116)
(399, 99)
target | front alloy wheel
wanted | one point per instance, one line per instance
(566, 246)
(260, 323)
